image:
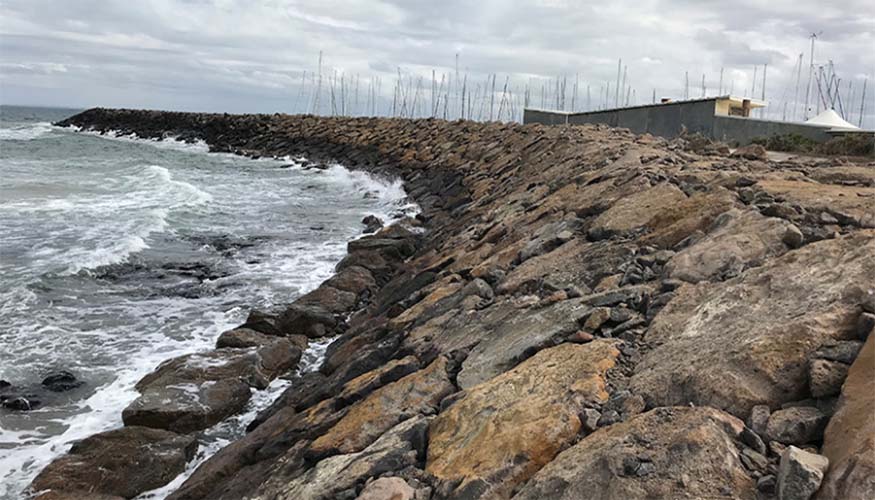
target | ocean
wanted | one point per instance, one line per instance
(118, 253)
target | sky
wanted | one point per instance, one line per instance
(252, 56)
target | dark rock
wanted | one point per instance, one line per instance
(797, 425)
(767, 484)
(865, 325)
(589, 418)
(19, 403)
(843, 351)
(4, 385)
(61, 381)
(753, 460)
(609, 417)
(311, 320)
(752, 439)
(123, 462)
(263, 323)
(372, 224)
(188, 407)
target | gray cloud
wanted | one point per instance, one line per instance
(236, 55)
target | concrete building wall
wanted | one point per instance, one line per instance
(670, 119)
(742, 131)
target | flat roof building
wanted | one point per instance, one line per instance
(725, 118)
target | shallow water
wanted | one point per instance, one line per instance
(118, 253)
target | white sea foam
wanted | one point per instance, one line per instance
(26, 132)
(172, 143)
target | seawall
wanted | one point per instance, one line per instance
(587, 312)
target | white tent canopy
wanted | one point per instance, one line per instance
(830, 118)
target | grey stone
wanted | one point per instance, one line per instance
(759, 419)
(767, 484)
(753, 460)
(793, 237)
(589, 418)
(187, 407)
(844, 351)
(752, 439)
(800, 474)
(825, 377)
(797, 425)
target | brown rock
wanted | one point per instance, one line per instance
(664, 453)
(849, 440)
(123, 462)
(751, 152)
(417, 393)
(735, 241)
(743, 342)
(505, 429)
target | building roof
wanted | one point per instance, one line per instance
(830, 118)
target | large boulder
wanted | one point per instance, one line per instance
(737, 240)
(503, 430)
(664, 453)
(123, 462)
(849, 440)
(417, 393)
(187, 407)
(747, 341)
(195, 391)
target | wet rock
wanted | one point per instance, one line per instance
(664, 453)
(796, 425)
(800, 474)
(263, 323)
(744, 342)
(311, 320)
(387, 488)
(849, 439)
(396, 449)
(61, 381)
(257, 367)
(506, 428)
(4, 385)
(372, 224)
(826, 377)
(123, 462)
(188, 407)
(242, 338)
(417, 393)
(76, 495)
(19, 403)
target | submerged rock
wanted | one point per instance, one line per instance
(61, 381)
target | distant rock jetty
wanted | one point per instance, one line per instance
(578, 312)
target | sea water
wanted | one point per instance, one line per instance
(118, 253)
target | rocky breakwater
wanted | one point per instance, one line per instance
(587, 313)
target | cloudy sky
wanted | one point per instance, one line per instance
(247, 55)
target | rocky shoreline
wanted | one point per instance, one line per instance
(579, 312)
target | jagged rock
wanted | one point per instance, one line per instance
(664, 453)
(800, 474)
(796, 425)
(396, 449)
(123, 462)
(505, 429)
(826, 377)
(241, 338)
(387, 488)
(417, 393)
(354, 279)
(744, 342)
(363, 385)
(849, 439)
(735, 241)
(327, 298)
